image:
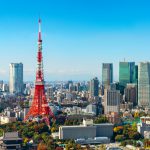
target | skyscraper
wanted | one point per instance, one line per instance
(16, 78)
(94, 87)
(107, 74)
(144, 84)
(126, 72)
(130, 93)
(111, 101)
(135, 75)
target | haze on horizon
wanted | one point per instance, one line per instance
(78, 36)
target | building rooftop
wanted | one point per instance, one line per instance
(145, 117)
(83, 126)
(11, 136)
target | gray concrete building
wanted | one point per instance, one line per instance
(111, 101)
(87, 130)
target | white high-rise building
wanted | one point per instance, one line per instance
(16, 78)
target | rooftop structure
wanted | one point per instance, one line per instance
(11, 140)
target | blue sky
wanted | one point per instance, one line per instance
(78, 35)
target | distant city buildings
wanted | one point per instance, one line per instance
(107, 74)
(16, 78)
(144, 84)
(88, 98)
(50, 92)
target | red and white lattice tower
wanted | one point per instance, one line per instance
(39, 105)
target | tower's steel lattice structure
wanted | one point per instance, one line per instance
(39, 105)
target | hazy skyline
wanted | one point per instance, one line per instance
(78, 36)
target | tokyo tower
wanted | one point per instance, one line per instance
(39, 106)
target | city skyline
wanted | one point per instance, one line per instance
(77, 37)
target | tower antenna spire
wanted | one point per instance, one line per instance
(40, 39)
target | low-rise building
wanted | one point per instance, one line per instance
(113, 117)
(6, 119)
(144, 125)
(11, 140)
(87, 130)
(91, 109)
(126, 106)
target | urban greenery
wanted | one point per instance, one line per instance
(126, 132)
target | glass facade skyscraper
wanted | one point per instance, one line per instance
(16, 78)
(107, 74)
(135, 75)
(144, 84)
(94, 87)
(126, 73)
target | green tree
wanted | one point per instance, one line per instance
(102, 147)
(123, 143)
(134, 135)
(119, 138)
(1, 132)
(37, 137)
(134, 127)
(101, 119)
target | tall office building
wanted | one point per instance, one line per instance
(126, 73)
(94, 87)
(16, 78)
(111, 101)
(130, 93)
(107, 74)
(135, 75)
(144, 84)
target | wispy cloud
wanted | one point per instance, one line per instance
(3, 72)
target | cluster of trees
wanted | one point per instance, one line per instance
(72, 145)
(139, 114)
(27, 130)
(74, 121)
(32, 132)
(130, 142)
(126, 132)
(147, 143)
(100, 119)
